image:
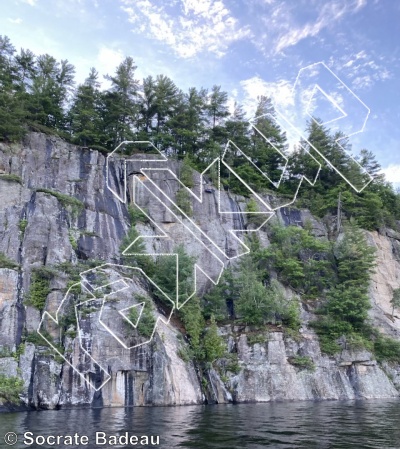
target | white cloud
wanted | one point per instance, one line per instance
(201, 26)
(392, 173)
(30, 2)
(363, 69)
(16, 21)
(291, 34)
(108, 59)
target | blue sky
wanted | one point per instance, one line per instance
(249, 47)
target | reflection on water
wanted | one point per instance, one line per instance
(320, 425)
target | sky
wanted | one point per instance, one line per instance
(338, 60)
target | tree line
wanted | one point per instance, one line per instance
(40, 93)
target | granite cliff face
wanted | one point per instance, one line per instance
(40, 226)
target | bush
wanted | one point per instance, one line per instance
(186, 173)
(252, 339)
(5, 262)
(22, 226)
(136, 215)
(10, 389)
(302, 362)
(40, 287)
(183, 201)
(302, 261)
(213, 344)
(147, 321)
(36, 339)
(387, 348)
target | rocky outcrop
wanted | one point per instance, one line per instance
(55, 211)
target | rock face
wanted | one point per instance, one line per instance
(41, 226)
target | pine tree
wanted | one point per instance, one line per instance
(84, 112)
(267, 154)
(11, 109)
(120, 105)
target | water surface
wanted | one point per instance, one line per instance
(371, 424)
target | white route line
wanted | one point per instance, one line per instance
(197, 232)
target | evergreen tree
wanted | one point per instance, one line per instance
(11, 109)
(84, 113)
(395, 301)
(267, 154)
(217, 105)
(120, 105)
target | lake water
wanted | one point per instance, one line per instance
(371, 424)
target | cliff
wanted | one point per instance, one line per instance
(56, 212)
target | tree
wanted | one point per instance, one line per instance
(216, 106)
(147, 105)
(213, 344)
(11, 109)
(268, 141)
(167, 278)
(10, 389)
(301, 260)
(84, 112)
(51, 84)
(395, 301)
(368, 161)
(120, 106)
(187, 125)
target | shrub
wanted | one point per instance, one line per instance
(213, 344)
(22, 226)
(40, 287)
(5, 262)
(10, 389)
(302, 362)
(183, 201)
(252, 339)
(387, 348)
(147, 321)
(136, 215)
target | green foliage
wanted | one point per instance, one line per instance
(192, 318)
(215, 301)
(395, 301)
(387, 348)
(36, 339)
(5, 262)
(232, 363)
(72, 240)
(66, 201)
(346, 308)
(10, 389)
(5, 352)
(253, 217)
(302, 261)
(303, 362)
(39, 287)
(186, 173)
(38, 93)
(147, 321)
(10, 178)
(136, 215)
(20, 350)
(134, 250)
(213, 344)
(183, 201)
(165, 276)
(22, 226)
(186, 354)
(252, 339)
